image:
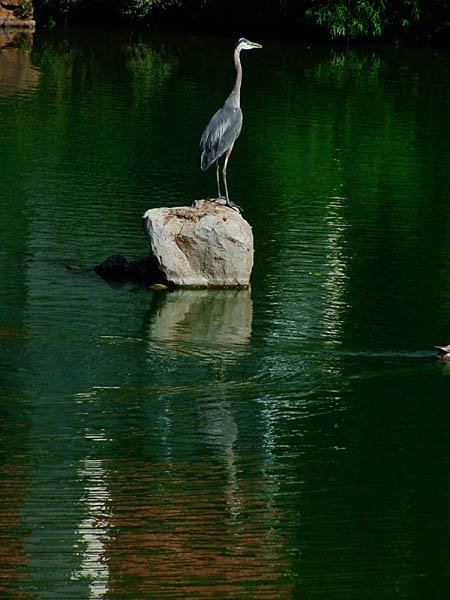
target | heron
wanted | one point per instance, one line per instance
(225, 126)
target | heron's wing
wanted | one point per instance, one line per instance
(220, 133)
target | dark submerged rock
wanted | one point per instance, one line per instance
(144, 271)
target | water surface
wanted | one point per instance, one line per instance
(287, 441)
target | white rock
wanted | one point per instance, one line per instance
(203, 245)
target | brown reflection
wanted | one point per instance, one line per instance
(12, 554)
(180, 530)
(17, 74)
(8, 333)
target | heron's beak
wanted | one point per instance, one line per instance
(255, 45)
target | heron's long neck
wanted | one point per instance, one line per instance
(234, 99)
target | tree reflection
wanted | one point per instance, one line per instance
(180, 526)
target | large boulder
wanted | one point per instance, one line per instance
(203, 245)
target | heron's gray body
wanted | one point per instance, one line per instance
(225, 126)
(221, 133)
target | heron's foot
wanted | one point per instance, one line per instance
(234, 206)
(219, 200)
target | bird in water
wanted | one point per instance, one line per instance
(225, 126)
(443, 352)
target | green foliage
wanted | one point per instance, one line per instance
(56, 7)
(140, 9)
(136, 9)
(363, 18)
(25, 10)
(338, 18)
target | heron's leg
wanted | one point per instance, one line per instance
(218, 179)
(224, 175)
(218, 184)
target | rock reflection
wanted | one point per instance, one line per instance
(205, 317)
(17, 74)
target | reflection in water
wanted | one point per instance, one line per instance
(213, 318)
(178, 522)
(337, 274)
(13, 557)
(170, 513)
(205, 530)
(93, 530)
(216, 325)
(17, 74)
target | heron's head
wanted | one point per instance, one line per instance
(244, 44)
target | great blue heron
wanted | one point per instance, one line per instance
(225, 126)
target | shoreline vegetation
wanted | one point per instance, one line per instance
(416, 21)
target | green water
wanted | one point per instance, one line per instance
(286, 442)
